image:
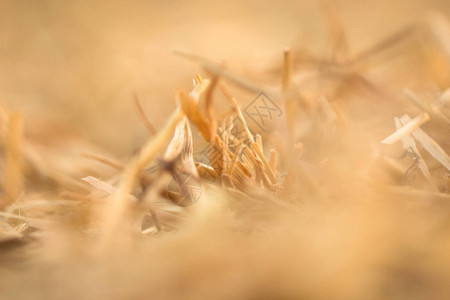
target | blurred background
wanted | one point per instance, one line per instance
(74, 65)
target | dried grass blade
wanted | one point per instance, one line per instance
(430, 145)
(235, 159)
(113, 215)
(142, 115)
(336, 33)
(268, 170)
(199, 88)
(407, 129)
(243, 167)
(273, 160)
(187, 154)
(410, 145)
(385, 44)
(217, 70)
(433, 112)
(255, 166)
(106, 161)
(178, 141)
(210, 114)
(50, 172)
(104, 186)
(238, 111)
(190, 107)
(258, 140)
(216, 154)
(206, 171)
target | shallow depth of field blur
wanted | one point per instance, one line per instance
(353, 222)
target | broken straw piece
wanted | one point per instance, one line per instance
(429, 144)
(407, 129)
(189, 105)
(410, 145)
(432, 110)
(217, 69)
(103, 186)
(226, 92)
(273, 160)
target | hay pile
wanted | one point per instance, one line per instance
(333, 184)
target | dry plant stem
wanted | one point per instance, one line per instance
(235, 159)
(104, 186)
(256, 167)
(189, 106)
(273, 160)
(387, 43)
(177, 142)
(242, 170)
(50, 172)
(210, 114)
(337, 35)
(429, 144)
(217, 70)
(113, 215)
(434, 113)
(151, 192)
(245, 84)
(258, 139)
(410, 146)
(215, 154)
(266, 165)
(188, 152)
(115, 212)
(99, 184)
(104, 160)
(407, 129)
(225, 149)
(155, 219)
(206, 171)
(142, 115)
(246, 164)
(13, 184)
(238, 111)
(370, 53)
(75, 196)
